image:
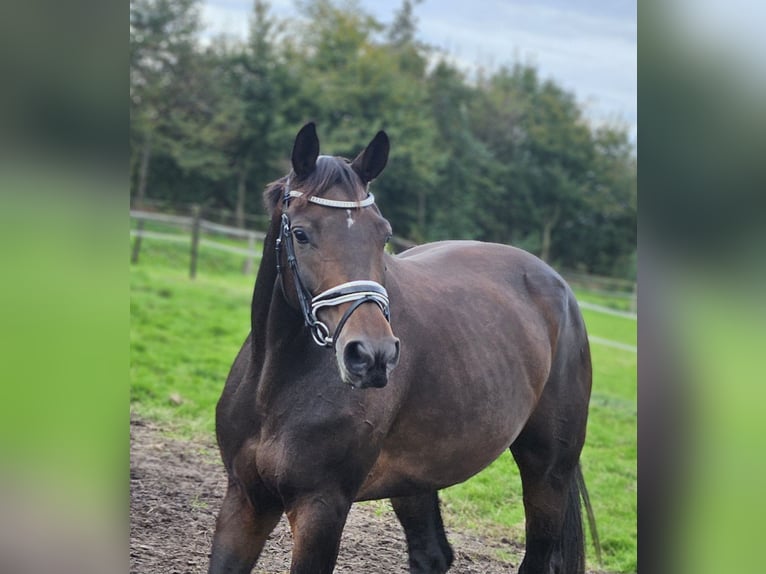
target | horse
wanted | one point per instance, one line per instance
(368, 376)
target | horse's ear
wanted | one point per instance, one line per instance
(372, 160)
(305, 150)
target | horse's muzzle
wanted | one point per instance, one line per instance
(368, 363)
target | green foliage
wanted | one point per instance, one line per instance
(163, 39)
(505, 157)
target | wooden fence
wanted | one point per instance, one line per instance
(196, 226)
(608, 286)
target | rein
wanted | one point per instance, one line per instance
(354, 292)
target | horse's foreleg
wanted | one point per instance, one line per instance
(317, 521)
(240, 533)
(427, 546)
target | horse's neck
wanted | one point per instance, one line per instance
(271, 318)
(265, 284)
(279, 337)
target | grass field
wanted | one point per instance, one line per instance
(185, 334)
(619, 303)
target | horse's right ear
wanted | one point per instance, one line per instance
(305, 150)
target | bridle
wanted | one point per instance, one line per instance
(355, 292)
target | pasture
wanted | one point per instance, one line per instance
(184, 335)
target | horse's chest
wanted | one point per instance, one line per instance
(298, 452)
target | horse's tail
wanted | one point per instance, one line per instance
(571, 545)
(589, 511)
(572, 540)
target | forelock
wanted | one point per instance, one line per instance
(330, 171)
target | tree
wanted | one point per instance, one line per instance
(263, 97)
(162, 42)
(604, 237)
(505, 157)
(354, 84)
(536, 130)
(230, 132)
(466, 200)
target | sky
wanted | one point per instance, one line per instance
(587, 46)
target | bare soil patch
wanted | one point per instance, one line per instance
(176, 488)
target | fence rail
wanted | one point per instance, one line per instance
(607, 310)
(161, 217)
(230, 231)
(611, 287)
(226, 217)
(197, 225)
(159, 235)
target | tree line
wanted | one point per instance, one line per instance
(504, 156)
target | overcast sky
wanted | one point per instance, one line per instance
(587, 46)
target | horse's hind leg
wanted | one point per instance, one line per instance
(427, 546)
(547, 452)
(554, 542)
(240, 533)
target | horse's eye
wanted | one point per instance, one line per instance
(388, 238)
(300, 236)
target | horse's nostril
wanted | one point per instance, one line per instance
(394, 357)
(371, 360)
(358, 357)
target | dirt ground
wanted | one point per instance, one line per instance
(176, 489)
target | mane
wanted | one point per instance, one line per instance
(330, 171)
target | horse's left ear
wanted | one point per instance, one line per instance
(372, 160)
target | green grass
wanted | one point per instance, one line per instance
(619, 329)
(183, 338)
(185, 334)
(611, 301)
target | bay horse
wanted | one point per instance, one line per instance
(369, 376)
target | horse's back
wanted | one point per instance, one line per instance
(474, 269)
(473, 253)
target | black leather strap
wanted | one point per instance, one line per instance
(319, 330)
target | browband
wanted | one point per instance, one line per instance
(369, 200)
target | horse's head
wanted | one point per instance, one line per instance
(331, 255)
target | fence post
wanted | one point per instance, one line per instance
(634, 299)
(137, 241)
(194, 241)
(247, 268)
